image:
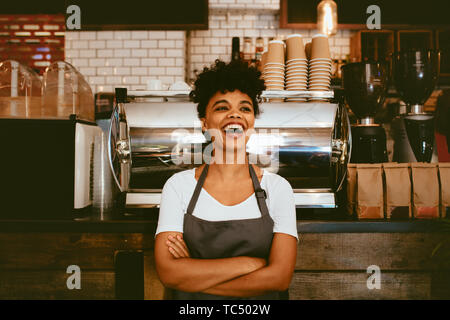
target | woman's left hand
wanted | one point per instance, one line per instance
(177, 247)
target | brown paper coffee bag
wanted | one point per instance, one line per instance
(351, 188)
(444, 177)
(369, 191)
(397, 196)
(425, 195)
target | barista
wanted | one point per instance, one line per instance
(227, 229)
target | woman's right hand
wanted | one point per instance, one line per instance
(177, 247)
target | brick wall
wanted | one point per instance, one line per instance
(109, 59)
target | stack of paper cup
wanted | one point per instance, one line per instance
(296, 65)
(274, 66)
(319, 65)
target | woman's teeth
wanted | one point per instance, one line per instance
(233, 129)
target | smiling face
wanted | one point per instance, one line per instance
(228, 118)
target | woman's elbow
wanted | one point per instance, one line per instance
(284, 284)
(170, 278)
(283, 280)
(165, 276)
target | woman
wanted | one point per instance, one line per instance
(227, 229)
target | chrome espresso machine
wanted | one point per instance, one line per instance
(307, 143)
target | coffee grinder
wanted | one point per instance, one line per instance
(416, 74)
(365, 88)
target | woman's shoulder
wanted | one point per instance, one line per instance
(181, 178)
(274, 180)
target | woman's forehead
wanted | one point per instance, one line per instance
(230, 95)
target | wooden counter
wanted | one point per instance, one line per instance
(332, 259)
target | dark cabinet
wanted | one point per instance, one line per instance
(352, 14)
(375, 45)
(415, 39)
(443, 44)
(119, 15)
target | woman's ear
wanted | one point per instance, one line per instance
(204, 127)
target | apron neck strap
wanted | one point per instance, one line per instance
(260, 193)
(198, 189)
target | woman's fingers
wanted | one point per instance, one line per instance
(178, 246)
(174, 250)
(174, 253)
(180, 242)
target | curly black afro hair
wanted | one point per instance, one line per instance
(225, 77)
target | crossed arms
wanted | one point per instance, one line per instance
(237, 276)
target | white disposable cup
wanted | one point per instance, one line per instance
(154, 85)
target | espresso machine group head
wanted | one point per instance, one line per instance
(365, 87)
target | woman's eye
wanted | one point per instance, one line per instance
(221, 108)
(246, 109)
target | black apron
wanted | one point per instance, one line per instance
(226, 239)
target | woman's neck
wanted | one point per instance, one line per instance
(228, 172)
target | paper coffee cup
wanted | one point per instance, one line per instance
(297, 75)
(294, 47)
(296, 68)
(319, 82)
(320, 47)
(320, 75)
(296, 80)
(318, 85)
(321, 69)
(276, 52)
(297, 63)
(321, 62)
(297, 88)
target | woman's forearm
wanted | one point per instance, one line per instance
(196, 275)
(256, 283)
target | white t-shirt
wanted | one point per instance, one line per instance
(179, 188)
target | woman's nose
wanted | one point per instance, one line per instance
(234, 114)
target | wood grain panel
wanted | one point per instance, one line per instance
(153, 288)
(59, 250)
(49, 284)
(357, 251)
(353, 285)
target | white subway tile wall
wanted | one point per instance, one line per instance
(110, 59)
(206, 46)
